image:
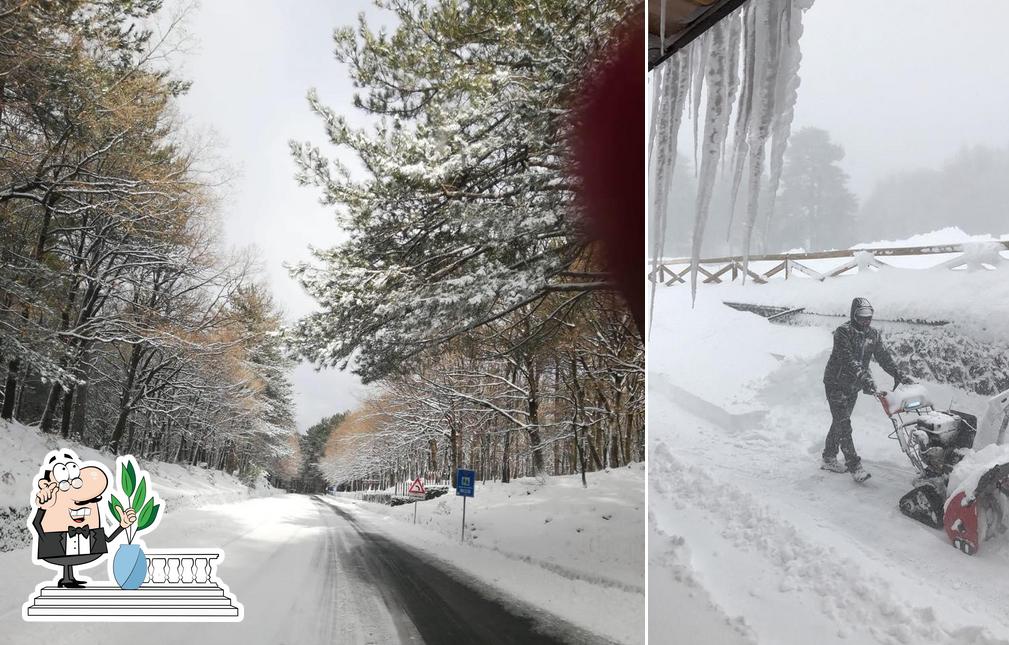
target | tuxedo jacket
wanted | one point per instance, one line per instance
(54, 544)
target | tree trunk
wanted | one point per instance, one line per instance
(120, 428)
(80, 408)
(10, 389)
(454, 443)
(52, 402)
(178, 451)
(124, 403)
(535, 439)
(68, 406)
(506, 475)
(129, 437)
(594, 453)
(576, 417)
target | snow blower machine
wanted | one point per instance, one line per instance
(962, 484)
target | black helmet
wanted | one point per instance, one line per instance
(861, 313)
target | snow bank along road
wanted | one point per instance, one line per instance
(749, 533)
(306, 572)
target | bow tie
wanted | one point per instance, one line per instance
(83, 531)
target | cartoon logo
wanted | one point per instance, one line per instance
(69, 534)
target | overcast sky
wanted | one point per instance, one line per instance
(251, 64)
(904, 84)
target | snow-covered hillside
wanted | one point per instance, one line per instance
(577, 553)
(748, 536)
(23, 447)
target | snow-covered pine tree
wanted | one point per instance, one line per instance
(815, 209)
(463, 213)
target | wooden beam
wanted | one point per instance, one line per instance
(847, 266)
(934, 249)
(802, 268)
(778, 269)
(756, 277)
(719, 273)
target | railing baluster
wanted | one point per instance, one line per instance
(187, 571)
(173, 571)
(160, 575)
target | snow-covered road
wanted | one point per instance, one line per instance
(306, 572)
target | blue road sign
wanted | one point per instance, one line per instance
(465, 482)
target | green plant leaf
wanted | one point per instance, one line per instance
(144, 518)
(141, 495)
(114, 506)
(129, 477)
(152, 517)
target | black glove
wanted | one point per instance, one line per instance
(868, 386)
(902, 380)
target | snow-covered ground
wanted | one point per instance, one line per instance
(574, 552)
(548, 549)
(23, 447)
(750, 542)
(279, 562)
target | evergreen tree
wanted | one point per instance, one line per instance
(464, 212)
(815, 209)
(313, 445)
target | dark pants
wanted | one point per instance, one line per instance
(841, 402)
(70, 561)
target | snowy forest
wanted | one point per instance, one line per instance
(467, 294)
(124, 322)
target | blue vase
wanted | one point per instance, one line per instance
(129, 566)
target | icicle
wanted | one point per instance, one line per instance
(761, 40)
(670, 96)
(745, 108)
(700, 57)
(715, 125)
(657, 117)
(786, 95)
(768, 59)
(732, 77)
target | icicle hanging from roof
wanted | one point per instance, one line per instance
(747, 63)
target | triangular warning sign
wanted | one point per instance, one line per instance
(417, 488)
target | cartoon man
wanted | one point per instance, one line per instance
(68, 522)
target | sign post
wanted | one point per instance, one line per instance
(465, 481)
(416, 491)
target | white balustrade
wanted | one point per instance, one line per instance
(164, 567)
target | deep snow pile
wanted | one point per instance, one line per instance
(22, 449)
(578, 553)
(765, 546)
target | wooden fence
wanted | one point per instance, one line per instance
(672, 271)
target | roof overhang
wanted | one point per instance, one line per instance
(673, 24)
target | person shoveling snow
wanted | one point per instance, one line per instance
(847, 373)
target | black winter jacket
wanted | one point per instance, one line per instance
(848, 367)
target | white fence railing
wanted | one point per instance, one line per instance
(165, 567)
(762, 268)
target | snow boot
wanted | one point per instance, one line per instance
(833, 466)
(859, 474)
